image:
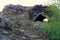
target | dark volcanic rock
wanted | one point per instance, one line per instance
(2, 37)
(14, 9)
(15, 23)
(35, 10)
(0, 19)
(38, 9)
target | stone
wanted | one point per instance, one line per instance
(3, 37)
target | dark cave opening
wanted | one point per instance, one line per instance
(39, 18)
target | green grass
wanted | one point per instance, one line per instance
(52, 28)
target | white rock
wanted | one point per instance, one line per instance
(46, 20)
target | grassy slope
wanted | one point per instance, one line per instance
(52, 28)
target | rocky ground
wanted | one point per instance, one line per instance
(16, 25)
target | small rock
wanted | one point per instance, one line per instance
(2, 37)
(22, 31)
(5, 33)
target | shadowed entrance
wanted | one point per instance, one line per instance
(39, 18)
